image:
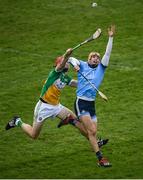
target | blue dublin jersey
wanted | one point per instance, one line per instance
(94, 75)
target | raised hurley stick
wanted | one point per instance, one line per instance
(94, 36)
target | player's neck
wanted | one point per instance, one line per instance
(92, 65)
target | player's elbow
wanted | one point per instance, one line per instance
(105, 61)
(104, 64)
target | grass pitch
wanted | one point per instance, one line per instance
(32, 34)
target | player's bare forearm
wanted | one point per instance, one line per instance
(66, 56)
(106, 57)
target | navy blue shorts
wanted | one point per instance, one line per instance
(84, 107)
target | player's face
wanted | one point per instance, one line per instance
(94, 60)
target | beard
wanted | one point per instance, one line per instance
(65, 70)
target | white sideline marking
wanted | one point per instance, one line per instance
(124, 68)
(120, 67)
(21, 52)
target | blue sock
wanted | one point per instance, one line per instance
(99, 155)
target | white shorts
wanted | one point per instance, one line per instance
(43, 111)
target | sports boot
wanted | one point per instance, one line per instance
(104, 163)
(11, 123)
(102, 142)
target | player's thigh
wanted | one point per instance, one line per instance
(88, 123)
(65, 112)
(95, 124)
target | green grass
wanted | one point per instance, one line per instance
(32, 34)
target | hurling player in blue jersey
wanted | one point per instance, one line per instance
(94, 70)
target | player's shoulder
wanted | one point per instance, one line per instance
(67, 76)
(83, 63)
(102, 66)
(54, 73)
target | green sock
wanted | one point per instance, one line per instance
(19, 122)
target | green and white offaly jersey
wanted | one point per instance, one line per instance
(51, 90)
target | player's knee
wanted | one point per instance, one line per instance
(91, 132)
(34, 136)
(70, 117)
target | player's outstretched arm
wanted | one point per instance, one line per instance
(106, 57)
(65, 57)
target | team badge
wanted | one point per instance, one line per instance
(40, 119)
